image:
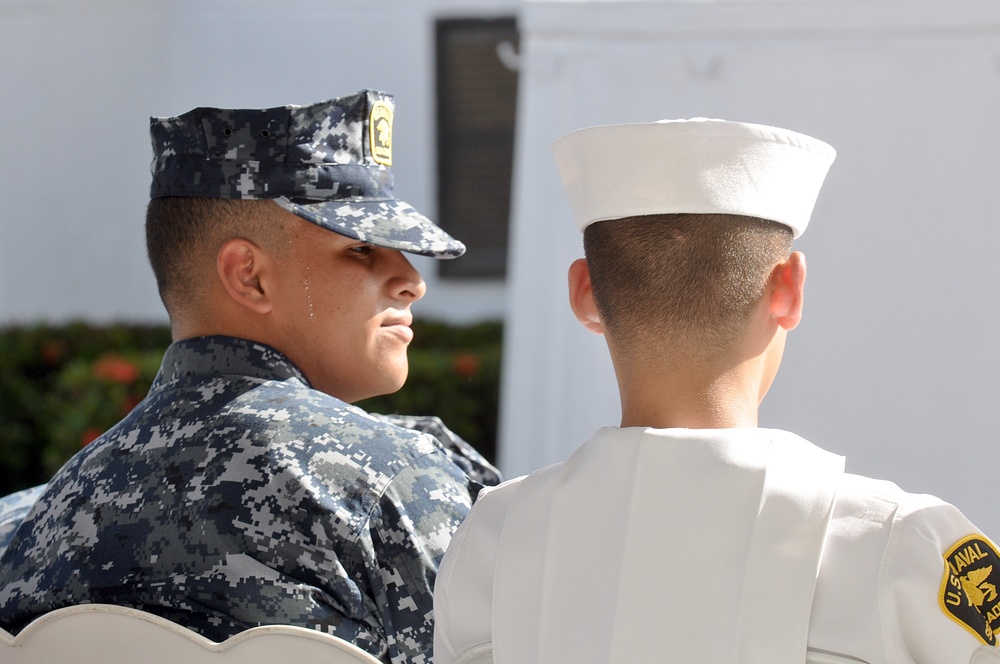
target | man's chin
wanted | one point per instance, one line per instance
(392, 381)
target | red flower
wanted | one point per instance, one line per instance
(465, 365)
(53, 351)
(115, 369)
(89, 435)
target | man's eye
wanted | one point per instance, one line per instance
(362, 249)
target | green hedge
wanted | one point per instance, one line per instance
(62, 386)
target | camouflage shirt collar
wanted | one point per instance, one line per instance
(219, 355)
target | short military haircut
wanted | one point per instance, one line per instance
(184, 235)
(691, 280)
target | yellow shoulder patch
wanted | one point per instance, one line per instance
(380, 132)
(969, 589)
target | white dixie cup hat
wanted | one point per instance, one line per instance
(696, 166)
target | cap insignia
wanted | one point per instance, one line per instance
(380, 130)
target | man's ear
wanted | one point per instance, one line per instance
(240, 264)
(788, 281)
(581, 297)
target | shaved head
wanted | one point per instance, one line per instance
(692, 280)
(184, 235)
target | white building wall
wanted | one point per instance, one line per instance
(895, 362)
(80, 78)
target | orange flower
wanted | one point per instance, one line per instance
(89, 435)
(115, 369)
(465, 365)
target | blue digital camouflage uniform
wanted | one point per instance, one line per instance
(235, 495)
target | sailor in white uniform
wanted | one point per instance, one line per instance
(688, 534)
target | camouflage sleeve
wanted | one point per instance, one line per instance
(461, 453)
(410, 529)
(13, 509)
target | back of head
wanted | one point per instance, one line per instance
(692, 279)
(684, 220)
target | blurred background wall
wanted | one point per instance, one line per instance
(894, 364)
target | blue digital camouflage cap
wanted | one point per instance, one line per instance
(328, 163)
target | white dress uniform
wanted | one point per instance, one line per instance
(725, 545)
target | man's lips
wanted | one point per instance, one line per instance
(399, 326)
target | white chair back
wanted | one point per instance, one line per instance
(105, 634)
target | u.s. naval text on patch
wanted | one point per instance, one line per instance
(969, 589)
(380, 131)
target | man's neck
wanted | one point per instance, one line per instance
(665, 397)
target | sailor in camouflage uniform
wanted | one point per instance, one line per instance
(245, 489)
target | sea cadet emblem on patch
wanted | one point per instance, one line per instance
(969, 589)
(380, 131)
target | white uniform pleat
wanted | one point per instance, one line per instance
(705, 527)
